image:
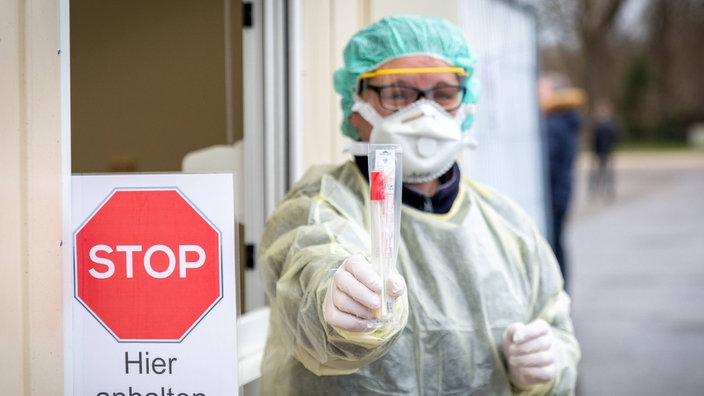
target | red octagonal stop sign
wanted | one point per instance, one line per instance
(147, 265)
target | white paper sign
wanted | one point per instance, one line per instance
(154, 300)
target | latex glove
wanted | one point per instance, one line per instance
(355, 294)
(531, 353)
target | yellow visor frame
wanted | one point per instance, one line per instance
(413, 70)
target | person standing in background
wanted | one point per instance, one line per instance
(560, 104)
(604, 138)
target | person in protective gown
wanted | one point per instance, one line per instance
(479, 306)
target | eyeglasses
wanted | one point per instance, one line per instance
(396, 97)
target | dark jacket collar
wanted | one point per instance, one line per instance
(439, 203)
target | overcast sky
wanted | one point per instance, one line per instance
(631, 17)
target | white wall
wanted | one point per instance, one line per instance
(326, 25)
(31, 334)
(509, 156)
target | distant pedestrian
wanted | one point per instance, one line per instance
(560, 104)
(604, 139)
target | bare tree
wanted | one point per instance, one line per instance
(661, 17)
(655, 73)
(584, 27)
(596, 21)
(676, 38)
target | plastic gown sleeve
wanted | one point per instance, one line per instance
(306, 239)
(545, 295)
(554, 309)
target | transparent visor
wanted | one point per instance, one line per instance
(396, 88)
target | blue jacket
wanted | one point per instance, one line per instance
(562, 130)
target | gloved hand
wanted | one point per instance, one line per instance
(531, 353)
(355, 294)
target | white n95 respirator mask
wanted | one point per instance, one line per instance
(429, 136)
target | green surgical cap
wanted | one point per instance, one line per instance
(396, 37)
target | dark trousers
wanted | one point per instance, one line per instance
(558, 220)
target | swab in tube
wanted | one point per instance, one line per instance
(385, 212)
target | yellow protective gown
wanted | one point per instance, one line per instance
(470, 273)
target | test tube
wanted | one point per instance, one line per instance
(385, 212)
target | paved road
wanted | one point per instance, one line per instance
(638, 278)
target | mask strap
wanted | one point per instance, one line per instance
(468, 141)
(367, 112)
(461, 114)
(358, 149)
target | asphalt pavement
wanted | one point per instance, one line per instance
(637, 277)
